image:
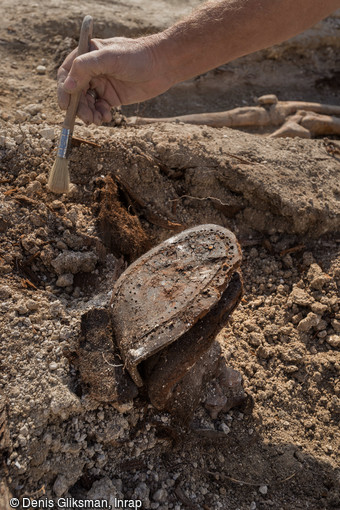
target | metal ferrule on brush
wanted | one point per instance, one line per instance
(64, 143)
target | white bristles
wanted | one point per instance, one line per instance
(59, 178)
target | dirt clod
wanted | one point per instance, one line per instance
(121, 230)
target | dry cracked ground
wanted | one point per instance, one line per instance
(132, 188)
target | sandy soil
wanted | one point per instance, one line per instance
(280, 197)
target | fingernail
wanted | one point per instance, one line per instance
(70, 83)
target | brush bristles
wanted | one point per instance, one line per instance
(59, 178)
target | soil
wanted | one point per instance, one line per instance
(59, 257)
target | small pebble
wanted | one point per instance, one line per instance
(33, 109)
(334, 341)
(225, 428)
(48, 133)
(41, 69)
(308, 322)
(263, 489)
(20, 116)
(336, 325)
(160, 496)
(21, 308)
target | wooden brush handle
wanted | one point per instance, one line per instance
(83, 47)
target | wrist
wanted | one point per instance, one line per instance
(166, 69)
(181, 54)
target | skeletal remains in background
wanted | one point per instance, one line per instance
(158, 334)
(296, 118)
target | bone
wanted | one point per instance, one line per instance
(289, 107)
(251, 116)
(238, 117)
(292, 128)
(267, 99)
(321, 124)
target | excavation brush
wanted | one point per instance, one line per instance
(59, 178)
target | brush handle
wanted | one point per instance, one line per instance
(83, 47)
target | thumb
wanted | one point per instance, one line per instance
(84, 68)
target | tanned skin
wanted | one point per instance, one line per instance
(127, 71)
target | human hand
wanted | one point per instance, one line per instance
(120, 70)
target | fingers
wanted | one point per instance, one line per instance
(87, 110)
(72, 64)
(63, 96)
(105, 110)
(83, 69)
(82, 73)
(94, 112)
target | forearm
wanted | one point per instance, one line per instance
(126, 71)
(221, 31)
